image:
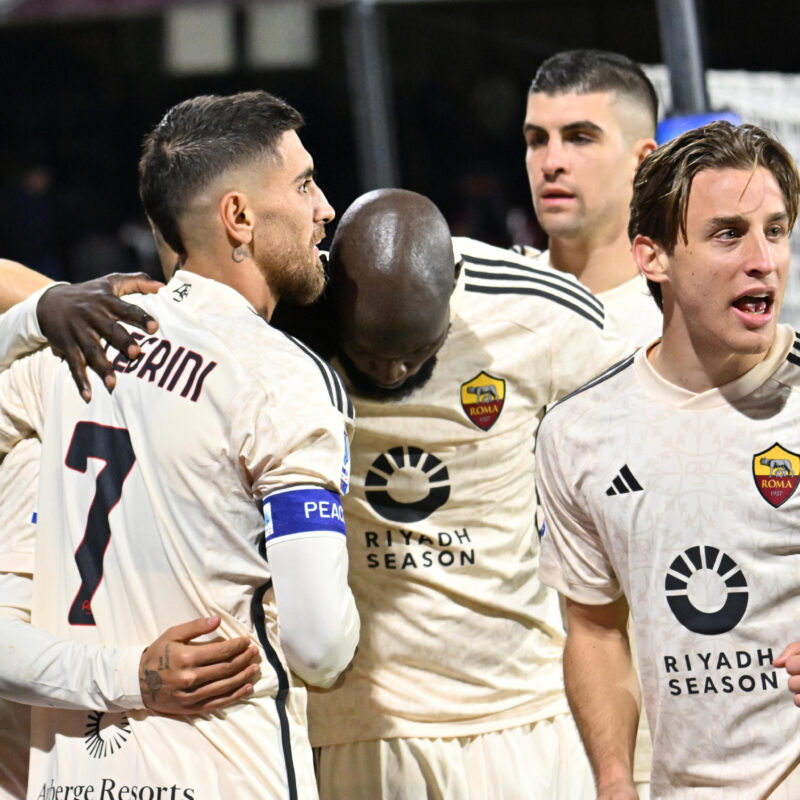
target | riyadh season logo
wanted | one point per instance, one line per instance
(706, 590)
(406, 484)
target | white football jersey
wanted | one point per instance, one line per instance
(19, 474)
(458, 636)
(152, 511)
(19, 329)
(687, 504)
(630, 305)
(634, 311)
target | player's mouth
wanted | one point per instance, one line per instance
(554, 196)
(755, 307)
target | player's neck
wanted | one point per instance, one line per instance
(598, 265)
(681, 361)
(242, 275)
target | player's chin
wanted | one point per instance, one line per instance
(308, 289)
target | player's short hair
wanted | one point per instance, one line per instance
(585, 71)
(200, 139)
(664, 179)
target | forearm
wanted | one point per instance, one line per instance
(40, 669)
(603, 689)
(20, 333)
(317, 617)
(18, 282)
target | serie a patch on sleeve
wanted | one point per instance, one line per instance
(302, 510)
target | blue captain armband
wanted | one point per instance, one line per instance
(302, 509)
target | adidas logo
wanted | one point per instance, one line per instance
(624, 483)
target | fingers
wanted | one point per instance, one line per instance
(791, 649)
(187, 631)
(113, 309)
(132, 283)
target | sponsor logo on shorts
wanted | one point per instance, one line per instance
(776, 472)
(482, 399)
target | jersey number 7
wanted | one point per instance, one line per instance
(112, 445)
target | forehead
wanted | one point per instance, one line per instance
(567, 108)
(724, 193)
(395, 335)
(293, 158)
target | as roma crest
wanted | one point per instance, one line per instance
(776, 473)
(482, 399)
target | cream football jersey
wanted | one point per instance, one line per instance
(458, 636)
(152, 511)
(630, 305)
(687, 504)
(18, 481)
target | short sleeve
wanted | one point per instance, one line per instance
(572, 559)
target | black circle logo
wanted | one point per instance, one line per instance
(706, 590)
(406, 484)
(106, 733)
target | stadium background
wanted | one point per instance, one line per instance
(83, 80)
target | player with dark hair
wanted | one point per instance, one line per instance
(207, 460)
(669, 487)
(590, 120)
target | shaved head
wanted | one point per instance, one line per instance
(392, 274)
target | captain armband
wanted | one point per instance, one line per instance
(302, 511)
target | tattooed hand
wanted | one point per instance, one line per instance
(179, 676)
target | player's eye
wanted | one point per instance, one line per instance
(776, 231)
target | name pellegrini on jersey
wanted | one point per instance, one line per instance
(109, 789)
(412, 550)
(163, 363)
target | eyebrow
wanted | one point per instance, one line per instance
(738, 219)
(580, 125)
(308, 173)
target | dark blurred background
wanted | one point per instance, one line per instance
(83, 80)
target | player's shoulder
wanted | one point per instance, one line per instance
(600, 390)
(788, 371)
(276, 364)
(521, 282)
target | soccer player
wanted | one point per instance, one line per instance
(452, 349)
(206, 460)
(669, 487)
(194, 678)
(590, 120)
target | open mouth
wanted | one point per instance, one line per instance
(756, 304)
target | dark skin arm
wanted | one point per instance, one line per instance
(74, 318)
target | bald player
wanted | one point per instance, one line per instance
(451, 350)
(590, 121)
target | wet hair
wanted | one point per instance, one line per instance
(663, 181)
(585, 71)
(200, 139)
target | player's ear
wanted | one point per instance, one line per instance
(237, 217)
(643, 148)
(651, 258)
